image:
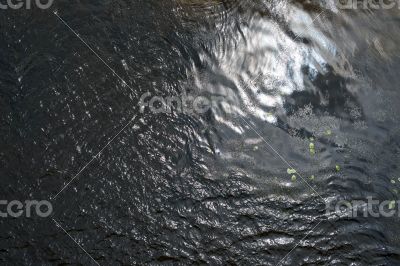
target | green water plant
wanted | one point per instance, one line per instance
(328, 132)
(312, 148)
(291, 171)
(392, 204)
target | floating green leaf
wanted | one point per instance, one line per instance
(312, 177)
(291, 171)
(312, 148)
(392, 204)
(337, 168)
(328, 132)
(294, 177)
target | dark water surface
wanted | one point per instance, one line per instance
(195, 189)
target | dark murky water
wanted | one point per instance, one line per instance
(179, 188)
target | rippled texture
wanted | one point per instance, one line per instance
(199, 189)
